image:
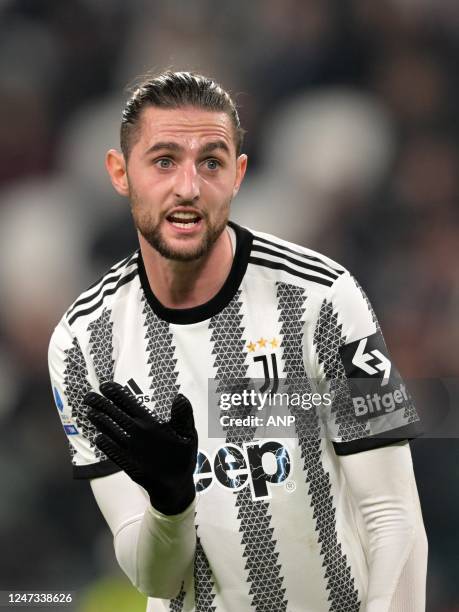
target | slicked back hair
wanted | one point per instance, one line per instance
(176, 90)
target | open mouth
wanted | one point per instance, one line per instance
(184, 219)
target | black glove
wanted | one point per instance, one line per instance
(160, 457)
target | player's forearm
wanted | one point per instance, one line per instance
(152, 549)
(410, 592)
(383, 487)
(397, 558)
(156, 550)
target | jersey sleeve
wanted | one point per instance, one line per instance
(71, 378)
(370, 403)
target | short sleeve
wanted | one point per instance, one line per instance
(370, 403)
(71, 379)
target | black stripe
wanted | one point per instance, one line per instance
(275, 265)
(76, 385)
(134, 386)
(302, 264)
(298, 253)
(264, 571)
(121, 263)
(95, 470)
(161, 362)
(114, 268)
(328, 337)
(343, 594)
(110, 291)
(106, 280)
(406, 432)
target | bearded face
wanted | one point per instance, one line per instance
(195, 231)
(182, 175)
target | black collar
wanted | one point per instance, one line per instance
(221, 299)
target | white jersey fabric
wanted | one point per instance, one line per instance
(276, 528)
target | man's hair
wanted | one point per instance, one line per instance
(176, 90)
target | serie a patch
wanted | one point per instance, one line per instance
(69, 425)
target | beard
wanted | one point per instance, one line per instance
(151, 232)
(155, 239)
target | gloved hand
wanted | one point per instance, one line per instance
(161, 457)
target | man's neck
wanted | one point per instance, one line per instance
(178, 284)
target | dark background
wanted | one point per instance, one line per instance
(351, 112)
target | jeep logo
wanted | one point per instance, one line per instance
(234, 468)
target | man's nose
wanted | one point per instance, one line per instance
(187, 183)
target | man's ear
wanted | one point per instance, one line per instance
(116, 168)
(241, 167)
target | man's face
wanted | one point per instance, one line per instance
(182, 174)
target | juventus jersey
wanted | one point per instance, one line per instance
(276, 529)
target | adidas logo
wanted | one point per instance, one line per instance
(132, 386)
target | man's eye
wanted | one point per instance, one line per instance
(163, 163)
(212, 164)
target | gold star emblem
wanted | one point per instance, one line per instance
(251, 346)
(274, 343)
(262, 342)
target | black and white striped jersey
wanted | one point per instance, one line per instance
(276, 530)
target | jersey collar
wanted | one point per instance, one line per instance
(184, 316)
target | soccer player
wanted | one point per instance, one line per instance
(326, 518)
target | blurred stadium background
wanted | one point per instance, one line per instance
(351, 108)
